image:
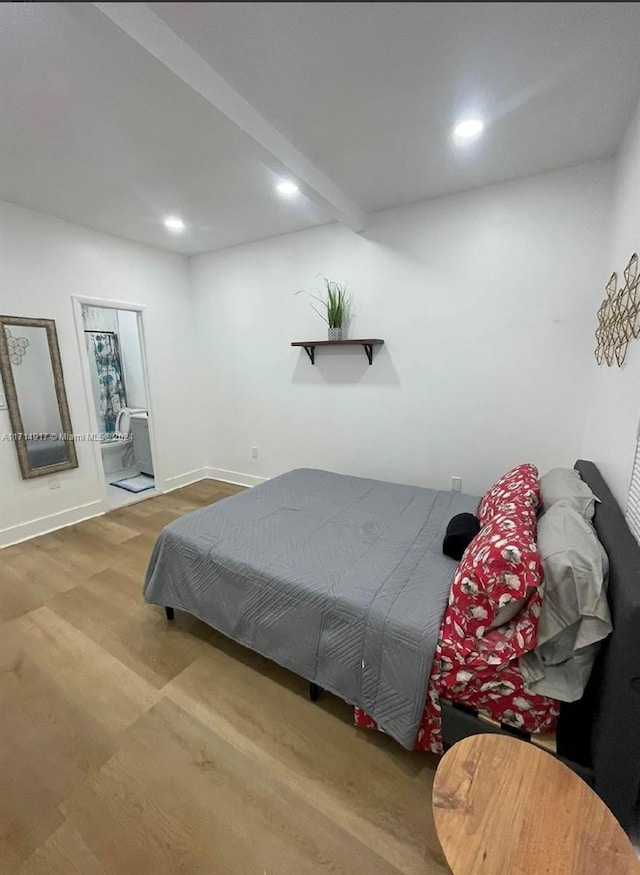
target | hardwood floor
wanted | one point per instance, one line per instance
(129, 745)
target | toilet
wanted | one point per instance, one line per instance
(117, 452)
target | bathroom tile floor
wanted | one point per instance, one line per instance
(120, 497)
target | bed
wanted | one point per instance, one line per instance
(338, 578)
(343, 581)
(44, 452)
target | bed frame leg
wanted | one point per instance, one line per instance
(314, 692)
(169, 613)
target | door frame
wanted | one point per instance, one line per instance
(105, 304)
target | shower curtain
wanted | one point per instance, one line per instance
(110, 382)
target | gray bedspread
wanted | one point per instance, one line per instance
(340, 579)
(46, 452)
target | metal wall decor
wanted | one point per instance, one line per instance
(17, 347)
(618, 320)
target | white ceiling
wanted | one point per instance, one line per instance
(95, 129)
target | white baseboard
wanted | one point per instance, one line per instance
(235, 477)
(45, 524)
(186, 479)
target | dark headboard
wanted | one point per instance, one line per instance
(602, 730)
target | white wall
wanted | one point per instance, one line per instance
(131, 358)
(44, 262)
(480, 298)
(486, 301)
(614, 398)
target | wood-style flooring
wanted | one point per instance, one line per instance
(129, 745)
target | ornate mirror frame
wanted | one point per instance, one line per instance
(26, 468)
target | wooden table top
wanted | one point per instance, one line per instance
(505, 807)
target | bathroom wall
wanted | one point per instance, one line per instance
(131, 355)
(99, 318)
(124, 324)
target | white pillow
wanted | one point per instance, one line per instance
(565, 484)
(574, 615)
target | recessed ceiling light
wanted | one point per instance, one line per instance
(468, 129)
(175, 224)
(287, 188)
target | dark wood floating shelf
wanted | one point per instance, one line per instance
(367, 342)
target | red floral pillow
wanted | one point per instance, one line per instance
(518, 486)
(501, 565)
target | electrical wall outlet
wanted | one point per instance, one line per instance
(54, 483)
(456, 484)
(254, 452)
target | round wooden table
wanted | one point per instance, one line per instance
(505, 807)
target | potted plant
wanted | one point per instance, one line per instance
(335, 302)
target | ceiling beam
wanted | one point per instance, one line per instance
(139, 22)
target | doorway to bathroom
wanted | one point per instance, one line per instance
(115, 356)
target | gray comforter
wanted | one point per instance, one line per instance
(45, 452)
(340, 579)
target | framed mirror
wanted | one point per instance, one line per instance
(32, 376)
